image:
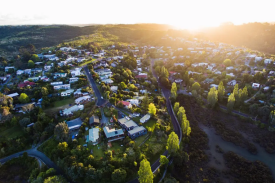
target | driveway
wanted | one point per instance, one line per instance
(100, 101)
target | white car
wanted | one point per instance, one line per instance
(101, 97)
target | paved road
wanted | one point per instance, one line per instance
(100, 101)
(177, 129)
(6, 82)
(35, 153)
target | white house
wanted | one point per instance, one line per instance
(67, 93)
(256, 85)
(107, 81)
(60, 74)
(114, 88)
(47, 67)
(229, 68)
(72, 109)
(76, 72)
(64, 87)
(257, 59)
(232, 83)
(268, 61)
(93, 136)
(7, 68)
(230, 74)
(180, 64)
(19, 72)
(73, 80)
(133, 101)
(145, 118)
(214, 85)
(57, 83)
(80, 100)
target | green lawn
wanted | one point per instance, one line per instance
(87, 62)
(151, 123)
(140, 139)
(63, 102)
(12, 132)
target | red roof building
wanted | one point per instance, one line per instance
(173, 72)
(141, 76)
(24, 84)
(126, 104)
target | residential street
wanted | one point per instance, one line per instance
(35, 153)
(100, 101)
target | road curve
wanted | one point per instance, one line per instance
(35, 153)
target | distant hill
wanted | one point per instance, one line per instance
(257, 36)
(13, 37)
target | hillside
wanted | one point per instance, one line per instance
(13, 37)
(256, 36)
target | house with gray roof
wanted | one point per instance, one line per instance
(129, 125)
(74, 124)
(113, 134)
(136, 132)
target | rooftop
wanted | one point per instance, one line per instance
(112, 132)
(136, 130)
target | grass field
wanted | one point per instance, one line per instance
(63, 102)
(87, 62)
(12, 132)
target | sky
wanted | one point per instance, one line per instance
(185, 14)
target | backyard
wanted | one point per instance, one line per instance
(63, 102)
(15, 131)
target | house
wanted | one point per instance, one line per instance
(107, 81)
(73, 80)
(83, 99)
(76, 72)
(113, 134)
(133, 101)
(229, 68)
(141, 75)
(127, 105)
(129, 125)
(28, 71)
(232, 83)
(268, 61)
(178, 80)
(208, 80)
(114, 88)
(258, 59)
(93, 136)
(143, 91)
(47, 67)
(94, 120)
(24, 107)
(113, 64)
(67, 93)
(74, 124)
(256, 86)
(121, 121)
(44, 78)
(3, 79)
(8, 68)
(179, 64)
(60, 74)
(62, 87)
(13, 95)
(136, 132)
(71, 110)
(266, 88)
(145, 118)
(214, 85)
(231, 75)
(271, 72)
(26, 83)
(36, 70)
(57, 83)
(19, 72)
